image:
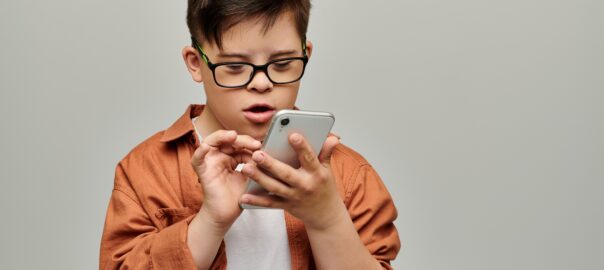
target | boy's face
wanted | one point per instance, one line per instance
(248, 109)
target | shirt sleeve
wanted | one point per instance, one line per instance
(131, 240)
(373, 213)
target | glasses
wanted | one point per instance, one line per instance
(239, 74)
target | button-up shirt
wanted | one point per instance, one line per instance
(156, 194)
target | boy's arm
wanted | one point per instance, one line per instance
(131, 240)
(204, 240)
(366, 227)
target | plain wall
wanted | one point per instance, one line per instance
(485, 120)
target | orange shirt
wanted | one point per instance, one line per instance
(156, 194)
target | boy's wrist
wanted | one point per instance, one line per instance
(206, 220)
(332, 219)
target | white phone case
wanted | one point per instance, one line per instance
(314, 126)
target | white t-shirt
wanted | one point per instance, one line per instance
(257, 239)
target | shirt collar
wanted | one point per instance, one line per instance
(183, 125)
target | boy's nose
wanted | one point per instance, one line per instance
(260, 83)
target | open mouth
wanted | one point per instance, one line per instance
(260, 109)
(259, 113)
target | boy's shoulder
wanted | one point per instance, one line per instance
(149, 148)
(345, 154)
(164, 143)
(351, 172)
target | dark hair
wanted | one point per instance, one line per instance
(209, 19)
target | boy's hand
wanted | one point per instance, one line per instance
(309, 192)
(214, 162)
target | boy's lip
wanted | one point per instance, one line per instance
(259, 105)
(259, 117)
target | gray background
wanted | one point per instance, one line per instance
(484, 119)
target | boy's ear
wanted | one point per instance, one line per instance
(193, 62)
(308, 48)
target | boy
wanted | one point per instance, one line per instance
(176, 197)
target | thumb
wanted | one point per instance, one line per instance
(328, 146)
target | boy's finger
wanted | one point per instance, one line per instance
(227, 149)
(330, 144)
(246, 142)
(276, 168)
(307, 157)
(271, 184)
(200, 154)
(229, 146)
(243, 156)
(242, 142)
(269, 201)
(220, 138)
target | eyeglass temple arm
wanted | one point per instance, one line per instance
(198, 47)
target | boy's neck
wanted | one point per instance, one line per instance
(207, 123)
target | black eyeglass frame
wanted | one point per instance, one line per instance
(263, 68)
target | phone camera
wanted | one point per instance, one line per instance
(285, 122)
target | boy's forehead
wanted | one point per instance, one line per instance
(256, 33)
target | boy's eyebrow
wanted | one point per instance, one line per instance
(283, 53)
(240, 55)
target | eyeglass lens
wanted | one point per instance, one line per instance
(284, 71)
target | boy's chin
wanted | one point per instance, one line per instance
(257, 132)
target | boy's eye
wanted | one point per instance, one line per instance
(234, 68)
(282, 65)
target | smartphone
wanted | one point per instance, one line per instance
(314, 126)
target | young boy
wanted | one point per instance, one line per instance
(175, 202)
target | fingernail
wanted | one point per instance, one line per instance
(231, 133)
(258, 157)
